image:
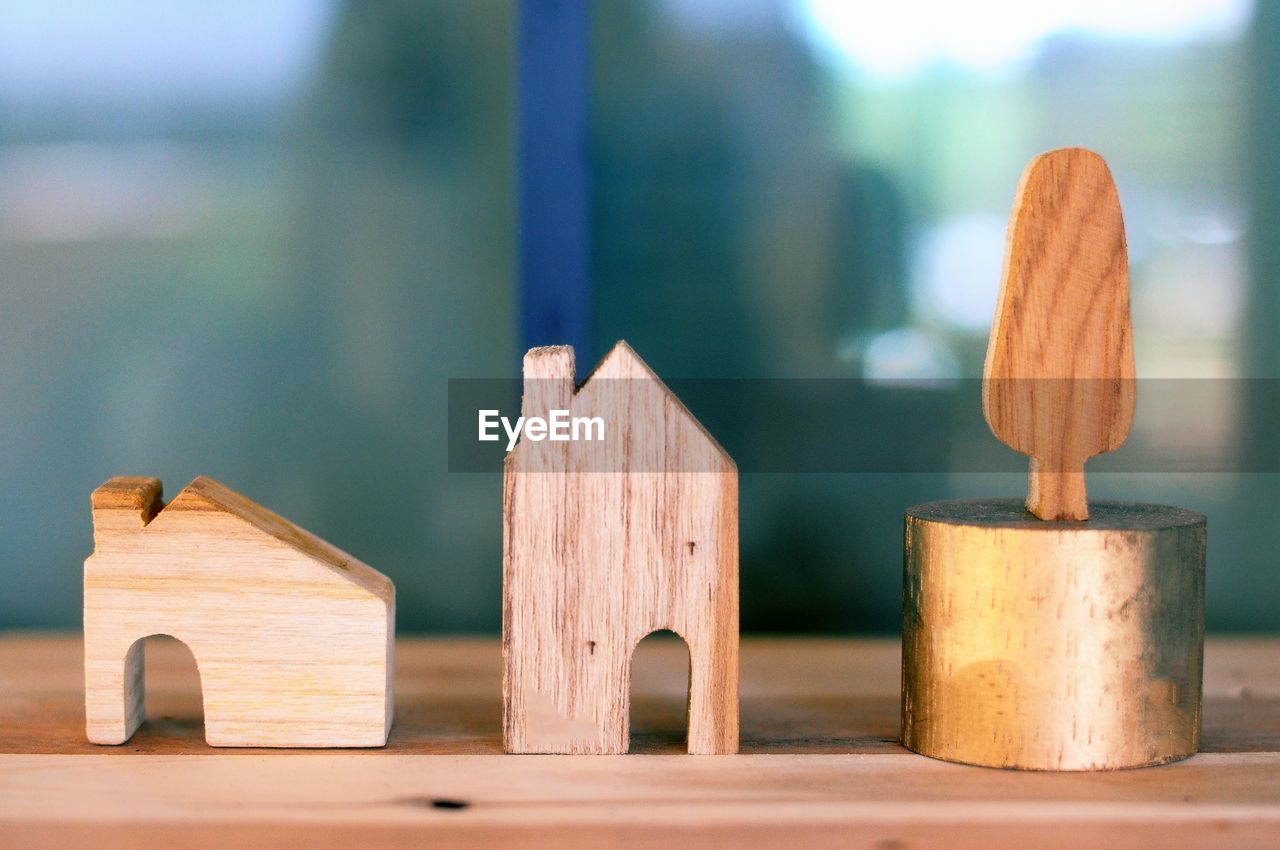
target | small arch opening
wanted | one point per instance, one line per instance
(660, 694)
(172, 693)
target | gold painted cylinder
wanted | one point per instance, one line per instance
(1052, 645)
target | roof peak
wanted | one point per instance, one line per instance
(204, 491)
(545, 367)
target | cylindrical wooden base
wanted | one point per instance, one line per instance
(1052, 645)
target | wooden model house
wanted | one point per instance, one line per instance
(606, 541)
(292, 637)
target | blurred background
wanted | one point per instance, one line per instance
(255, 241)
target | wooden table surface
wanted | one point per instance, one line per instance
(820, 765)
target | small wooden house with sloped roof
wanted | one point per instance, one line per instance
(606, 541)
(293, 638)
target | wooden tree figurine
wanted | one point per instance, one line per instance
(292, 637)
(606, 541)
(1031, 639)
(1059, 381)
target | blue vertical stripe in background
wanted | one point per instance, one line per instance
(553, 175)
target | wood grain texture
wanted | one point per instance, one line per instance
(1058, 384)
(818, 719)
(1050, 645)
(606, 542)
(746, 801)
(294, 638)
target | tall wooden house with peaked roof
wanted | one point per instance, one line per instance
(293, 638)
(605, 542)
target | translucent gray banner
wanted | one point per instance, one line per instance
(836, 425)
